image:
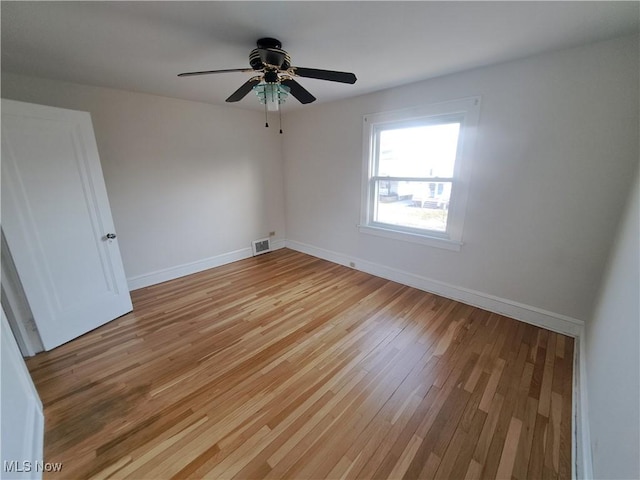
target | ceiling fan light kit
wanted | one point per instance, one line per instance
(275, 79)
(272, 95)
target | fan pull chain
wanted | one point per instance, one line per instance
(266, 117)
(280, 114)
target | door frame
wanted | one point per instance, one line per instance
(16, 307)
(22, 413)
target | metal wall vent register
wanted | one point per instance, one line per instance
(261, 246)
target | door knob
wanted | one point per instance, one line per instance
(110, 236)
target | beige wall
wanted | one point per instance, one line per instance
(187, 182)
(613, 357)
(552, 165)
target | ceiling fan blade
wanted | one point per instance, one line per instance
(246, 87)
(332, 76)
(298, 91)
(208, 72)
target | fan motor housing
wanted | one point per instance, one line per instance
(269, 53)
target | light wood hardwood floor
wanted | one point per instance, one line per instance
(287, 366)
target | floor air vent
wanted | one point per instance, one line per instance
(261, 246)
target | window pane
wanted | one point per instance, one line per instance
(425, 151)
(423, 205)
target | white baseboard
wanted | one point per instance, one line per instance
(525, 313)
(171, 273)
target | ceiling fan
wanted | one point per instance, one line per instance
(274, 79)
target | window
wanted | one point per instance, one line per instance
(417, 172)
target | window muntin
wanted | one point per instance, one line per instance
(416, 177)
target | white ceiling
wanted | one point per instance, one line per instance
(141, 46)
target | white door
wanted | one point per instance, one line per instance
(22, 420)
(57, 221)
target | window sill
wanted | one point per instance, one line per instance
(437, 242)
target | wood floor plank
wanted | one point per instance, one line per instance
(288, 366)
(507, 459)
(474, 470)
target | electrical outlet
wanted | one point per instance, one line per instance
(272, 234)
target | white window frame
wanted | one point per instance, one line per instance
(467, 112)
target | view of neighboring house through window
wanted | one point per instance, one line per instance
(416, 176)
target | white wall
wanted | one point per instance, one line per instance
(187, 182)
(613, 357)
(552, 167)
